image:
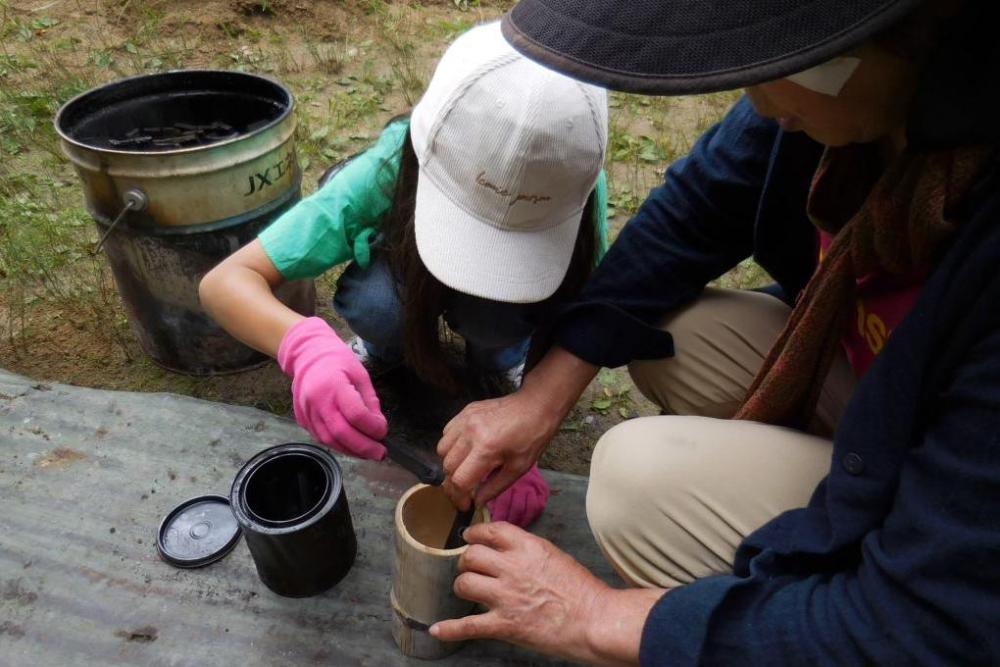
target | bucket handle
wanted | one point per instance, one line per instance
(134, 200)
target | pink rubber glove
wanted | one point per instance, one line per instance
(523, 501)
(332, 395)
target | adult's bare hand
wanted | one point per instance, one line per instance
(502, 438)
(540, 597)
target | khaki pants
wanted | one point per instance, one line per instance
(671, 497)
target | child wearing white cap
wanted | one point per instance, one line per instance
(484, 209)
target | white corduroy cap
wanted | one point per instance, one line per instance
(509, 152)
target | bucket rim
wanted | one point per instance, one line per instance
(57, 120)
(305, 514)
(334, 495)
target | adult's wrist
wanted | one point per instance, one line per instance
(554, 386)
(614, 625)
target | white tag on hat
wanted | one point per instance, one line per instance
(828, 78)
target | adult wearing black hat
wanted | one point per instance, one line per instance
(836, 498)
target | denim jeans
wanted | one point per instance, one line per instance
(496, 334)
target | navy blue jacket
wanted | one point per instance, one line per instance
(896, 559)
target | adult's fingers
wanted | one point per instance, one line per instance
(460, 499)
(499, 536)
(453, 459)
(497, 483)
(469, 472)
(478, 626)
(481, 559)
(370, 423)
(447, 441)
(454, 421)
(478, 588)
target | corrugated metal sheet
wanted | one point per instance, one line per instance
(86, 476)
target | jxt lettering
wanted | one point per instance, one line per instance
(259, 180)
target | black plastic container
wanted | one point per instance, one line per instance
(290, 502)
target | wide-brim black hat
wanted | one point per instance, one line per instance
(671, 47)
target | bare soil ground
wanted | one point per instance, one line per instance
(352, 65)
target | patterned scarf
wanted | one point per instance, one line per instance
(895, 221)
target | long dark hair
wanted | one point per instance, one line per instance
(424, 296)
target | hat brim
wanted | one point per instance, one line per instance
(477, 258)
(671, 48)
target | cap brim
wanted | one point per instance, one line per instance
(483, 260)
(671, 49)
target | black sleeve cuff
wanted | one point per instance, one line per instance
(604, 335)
(676, 630)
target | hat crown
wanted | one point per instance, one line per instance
(510, 143)
(673, 47)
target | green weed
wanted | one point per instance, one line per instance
(748, 274)
(446, 30)
(623, 202)
(614, 396)
(327, 58)
(402, 60)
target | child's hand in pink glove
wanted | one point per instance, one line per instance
(332, 395)
(523, 501)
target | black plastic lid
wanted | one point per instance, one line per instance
(197, 532)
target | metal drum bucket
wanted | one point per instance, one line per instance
(179, 170)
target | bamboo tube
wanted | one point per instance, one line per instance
(423, 572)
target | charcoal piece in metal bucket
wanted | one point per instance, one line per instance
(210, 157)
(290, 503)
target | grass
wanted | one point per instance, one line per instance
(352, 65)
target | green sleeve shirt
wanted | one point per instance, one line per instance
(338, 222)
(601, 215)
